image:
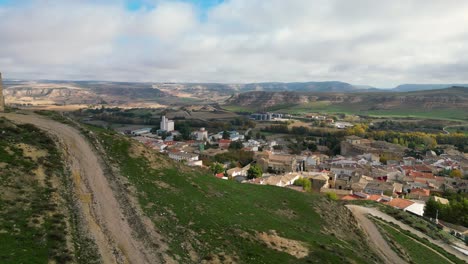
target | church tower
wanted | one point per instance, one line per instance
(2, 99)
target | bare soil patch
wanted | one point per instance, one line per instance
(274, 241)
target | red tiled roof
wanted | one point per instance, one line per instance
(421, 174)
(422, 167)
(419, 191)
(400, 203)
(374, 197)
(348, 198)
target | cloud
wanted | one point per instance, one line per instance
(381, 43)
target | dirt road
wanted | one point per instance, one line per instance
(361, 212)
(100, 207)
(376, 239)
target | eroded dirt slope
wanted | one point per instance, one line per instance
(104, 216)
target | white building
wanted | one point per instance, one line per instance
(201, 134)
(166, 124)
(141, 131)
(181, 156)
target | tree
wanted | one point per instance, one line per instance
(236, 145)
(254, 172)
(430, 210)
(226, 135)
(332, 196)
(216, 168)
(257, 135)
(455, 174)
(305, 183)
(312, 147)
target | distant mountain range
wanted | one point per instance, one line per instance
(320, 87)
(316, 96)
(224, 89)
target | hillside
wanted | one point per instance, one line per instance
(133, 94)
(208, 220)
(39, 222)
(50, 93)
(445, 103)
(423, 87)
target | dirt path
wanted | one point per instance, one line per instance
(100, 208)
(360, 210)
(448, 132)
(377, 240)
(415, 240)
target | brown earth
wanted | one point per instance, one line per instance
(103, 214)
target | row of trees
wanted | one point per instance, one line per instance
(456, 212)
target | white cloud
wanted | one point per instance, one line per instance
(380, 43)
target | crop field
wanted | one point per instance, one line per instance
(364, 109)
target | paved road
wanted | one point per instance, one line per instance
(103, 215)
(360, 211)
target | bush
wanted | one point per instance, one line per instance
(332, 196)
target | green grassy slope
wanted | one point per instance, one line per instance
(37, 222)
(418, 250)
(204, 219)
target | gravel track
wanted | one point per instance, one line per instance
(102, 212)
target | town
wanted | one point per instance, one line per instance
(363, 169)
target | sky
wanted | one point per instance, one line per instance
(378, 43)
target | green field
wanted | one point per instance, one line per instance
(238, 108)
(362, 109)
(210, 218)
(454, 114)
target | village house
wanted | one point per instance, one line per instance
(276, 163)
(201, 134)
(224, 143)
(353, 146)
(379, 188)
(234, 172)
(182, 156)
(278, 180)
(141, 131)
(320, 181)
(419, 194)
